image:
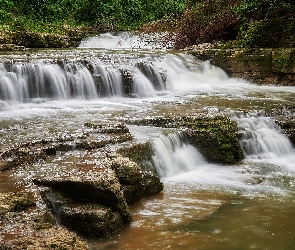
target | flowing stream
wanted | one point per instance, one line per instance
(122, 77)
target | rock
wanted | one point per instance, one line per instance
(287, 125)
(94, 186)
(24, 226)
(127, 171)
(15, 202)
(141, 153)
(127, 78)
(215, 137)
(151, 183)
(91, 219)
(117, 128)
(136, 183)
(53, 238)
(258, 65)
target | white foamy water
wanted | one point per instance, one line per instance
(127, 40)
(173, 155)
(266, 150)
(262, 139)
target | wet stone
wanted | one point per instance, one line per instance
(91, 219)
(101, 187)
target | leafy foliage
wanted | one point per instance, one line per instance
(122, 14)
(246, 22)
(6, 7)
(254, 23)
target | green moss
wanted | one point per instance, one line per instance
(215, 137)
(140, 153)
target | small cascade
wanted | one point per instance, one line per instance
(142, 86)
(128, 40)
(152, 74)
(173, 155)
(110, 79)
(55, 206)
(123, 40)
(262, 139)
(27, 81)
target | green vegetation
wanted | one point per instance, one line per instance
(34, 14)
(240, 23)
(237, 23)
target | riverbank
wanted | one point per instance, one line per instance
(258, 65)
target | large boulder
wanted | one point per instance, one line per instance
(99, 186)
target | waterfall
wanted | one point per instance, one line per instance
(173, 155)
(111, 80)
(23, 82)
(262, 139)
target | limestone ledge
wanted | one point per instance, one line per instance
(257, 65)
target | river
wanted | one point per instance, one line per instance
(203, 206)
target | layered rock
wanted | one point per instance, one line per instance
(261, 66)
(92, 200)
(24, 225)
(136, 183)
(89, 198)
(99, 186)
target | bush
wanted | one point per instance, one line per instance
(6, 7)
(207, 21)
(272, 33)
(121, 13)
(262, 23)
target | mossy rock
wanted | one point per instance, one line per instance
(215, 137)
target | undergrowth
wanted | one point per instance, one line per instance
(237, 23)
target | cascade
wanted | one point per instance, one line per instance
(91, 79)
(173, 155)
(110, 79)
(262, 139)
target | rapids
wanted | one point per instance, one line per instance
(120, 77)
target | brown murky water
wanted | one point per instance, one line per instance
(207, 219)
